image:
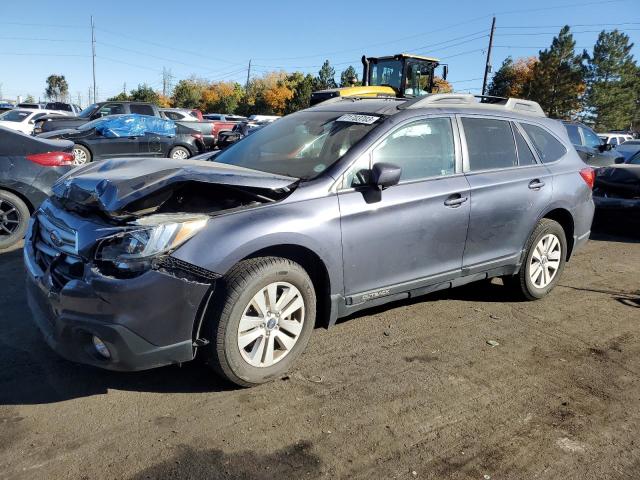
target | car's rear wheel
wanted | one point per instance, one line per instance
(544, 261)
(179, 153)
(81, 155)
(14, 219)
(263, 315)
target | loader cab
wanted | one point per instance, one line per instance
(407, 75)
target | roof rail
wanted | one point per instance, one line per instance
(437, 99)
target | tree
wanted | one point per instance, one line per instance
(144, 93)
(57, 88)
(221, 97)
(512, 78)
(611, 97)
(440, 85)
(121, 97)
(326, 77)
(349, 77)
(188, 93)
(29, 99)
(301, 86)
(557, 81)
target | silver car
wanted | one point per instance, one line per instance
(236, 255)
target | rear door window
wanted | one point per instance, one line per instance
(142, 109)
(111, 109)
(548, 147)
(574, 134)
(490, 143)
(590, 138)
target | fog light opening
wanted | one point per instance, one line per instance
(101, 348)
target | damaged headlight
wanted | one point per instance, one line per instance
(134, 249)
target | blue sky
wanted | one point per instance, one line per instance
(215, 40)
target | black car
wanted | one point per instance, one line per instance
(49, 123)
(92, 141)
(589, 146)
(29, 166)
(238, 132)
(618, 186)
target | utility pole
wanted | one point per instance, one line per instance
(246, 87)
(167, 78)
(487, 67)
(93, 55)
(89, 95)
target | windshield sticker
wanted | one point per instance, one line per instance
(355, 118)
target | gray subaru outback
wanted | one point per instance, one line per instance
(236, 255)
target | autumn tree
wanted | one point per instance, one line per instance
(326, 77)
(557, 81)
(612, 83)
(512, 79)
(57, 88)
(221, 97)
(440, 85)
(349, 77)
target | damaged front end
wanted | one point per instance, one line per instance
(100, 264)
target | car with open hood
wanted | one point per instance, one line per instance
(235, 255)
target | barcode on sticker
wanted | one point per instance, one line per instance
(355, 118)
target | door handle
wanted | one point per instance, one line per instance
(536, 184)
(455, 200)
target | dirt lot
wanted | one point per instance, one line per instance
(411, 390)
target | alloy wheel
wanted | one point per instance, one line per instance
(180, 154)
(271, 324)
(545, 261)
(9, 218)
(79, 156)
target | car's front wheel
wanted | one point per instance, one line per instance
(263, 315)
(544, 261)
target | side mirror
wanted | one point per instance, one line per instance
(619, 160)
(605, 147)
(385, 175)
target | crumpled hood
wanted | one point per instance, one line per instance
(111, 185)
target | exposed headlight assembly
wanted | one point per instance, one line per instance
(134, 249)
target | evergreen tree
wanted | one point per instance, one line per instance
(326, 77)
(349, 77)
(611, 96)
(557, 82)
(144, 93)
(302, 87)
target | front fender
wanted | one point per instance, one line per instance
(228, 238)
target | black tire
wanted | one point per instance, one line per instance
(521, 282)
(233, 294)
(184, 151)
(14, 219)
(85, 151)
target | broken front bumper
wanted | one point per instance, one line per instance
(146, 321)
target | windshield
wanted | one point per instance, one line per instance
(301, 145)
(86, 113)
(386, 72)
(15, 115)
(628, 150)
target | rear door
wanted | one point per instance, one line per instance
(509, 186)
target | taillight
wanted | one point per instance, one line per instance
(589, 176)
(52, 159)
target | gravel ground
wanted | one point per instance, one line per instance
(409, 390)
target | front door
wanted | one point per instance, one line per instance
(412, 231)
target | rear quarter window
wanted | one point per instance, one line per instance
(548, 147)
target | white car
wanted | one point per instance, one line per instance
(615, 138)
(183, 114)
(23, 120)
